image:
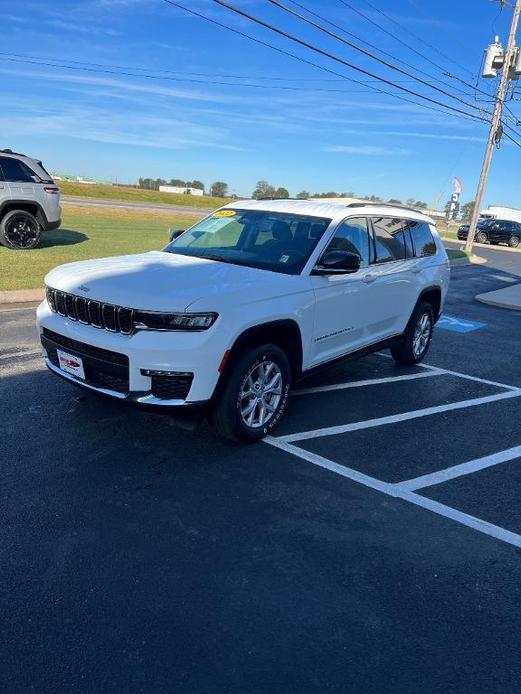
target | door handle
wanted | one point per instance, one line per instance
(369, 278)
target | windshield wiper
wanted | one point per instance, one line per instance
(219, 258)
(230, 261)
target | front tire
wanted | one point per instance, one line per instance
(20, 230)
(417, 337)
(481, 237)
(254, 396)
(514, 241)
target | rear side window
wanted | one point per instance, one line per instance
(423, 239)
(391, 236)
(16, 171)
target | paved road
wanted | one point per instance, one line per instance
(496, 257)
(99, 202)
(136, 557)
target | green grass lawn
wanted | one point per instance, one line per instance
(93, 232)
(123, 193)
(89, 232)
(454, 253)
(449, 233)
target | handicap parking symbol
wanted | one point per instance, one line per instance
(458, 325)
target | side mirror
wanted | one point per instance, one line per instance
(174, 233)
(337, 262)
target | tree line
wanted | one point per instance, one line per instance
(267, 190)
(264, 189)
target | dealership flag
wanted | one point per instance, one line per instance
(457, 186)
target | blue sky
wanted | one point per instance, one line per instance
(324, 133)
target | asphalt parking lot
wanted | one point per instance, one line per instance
(372, 545)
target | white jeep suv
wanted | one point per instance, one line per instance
(29, 201)
(245, 302)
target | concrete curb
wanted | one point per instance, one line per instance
(21, 296)
(473, 260)
(487, 246)
(508, 297)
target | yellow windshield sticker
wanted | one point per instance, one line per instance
(224, 213)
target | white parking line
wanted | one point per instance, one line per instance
(368, 382)
(463, 518)
(458, 373)
(479, 380)
(451, 473)
(395, 491)
(351, 474)
(401, 417)
(21, 355)
(405, 490)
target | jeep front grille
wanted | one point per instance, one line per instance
(116, 319)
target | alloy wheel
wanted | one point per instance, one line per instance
(260, 394)
(422, 335)
(21, 231)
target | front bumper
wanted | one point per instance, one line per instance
(114, 363)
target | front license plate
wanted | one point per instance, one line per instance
(71, 364)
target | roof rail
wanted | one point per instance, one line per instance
(384, 204)
(278, 198)
(10, 151)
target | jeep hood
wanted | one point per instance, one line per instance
(161, 281)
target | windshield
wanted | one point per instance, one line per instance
(267, 240)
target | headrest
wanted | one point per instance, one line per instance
(281, 231)
(302, 230)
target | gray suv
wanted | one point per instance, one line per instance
(29, 200)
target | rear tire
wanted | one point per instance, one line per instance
(481, 237)
(254, 396)
(417, 337)
(20, 230)
(514, 241)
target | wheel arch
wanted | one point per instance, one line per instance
(432, 295)
(30, 206)
(284, 333)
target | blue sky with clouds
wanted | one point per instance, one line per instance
(299, 126)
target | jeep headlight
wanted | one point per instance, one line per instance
(144, 320)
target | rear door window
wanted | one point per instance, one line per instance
(391, 237)
(15, 171)
(423, 239)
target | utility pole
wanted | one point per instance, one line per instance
(495, 131)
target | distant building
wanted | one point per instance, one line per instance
(180, 190)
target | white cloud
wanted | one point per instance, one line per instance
(427, 136)
(366, 150)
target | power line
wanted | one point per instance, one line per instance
(310, 62)
(411, 48)
(387, 64)
(119, 72)
(372, 45)
(435, 22)
(509, 137)
(336, 58)
(179, 72)
(415, 36)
